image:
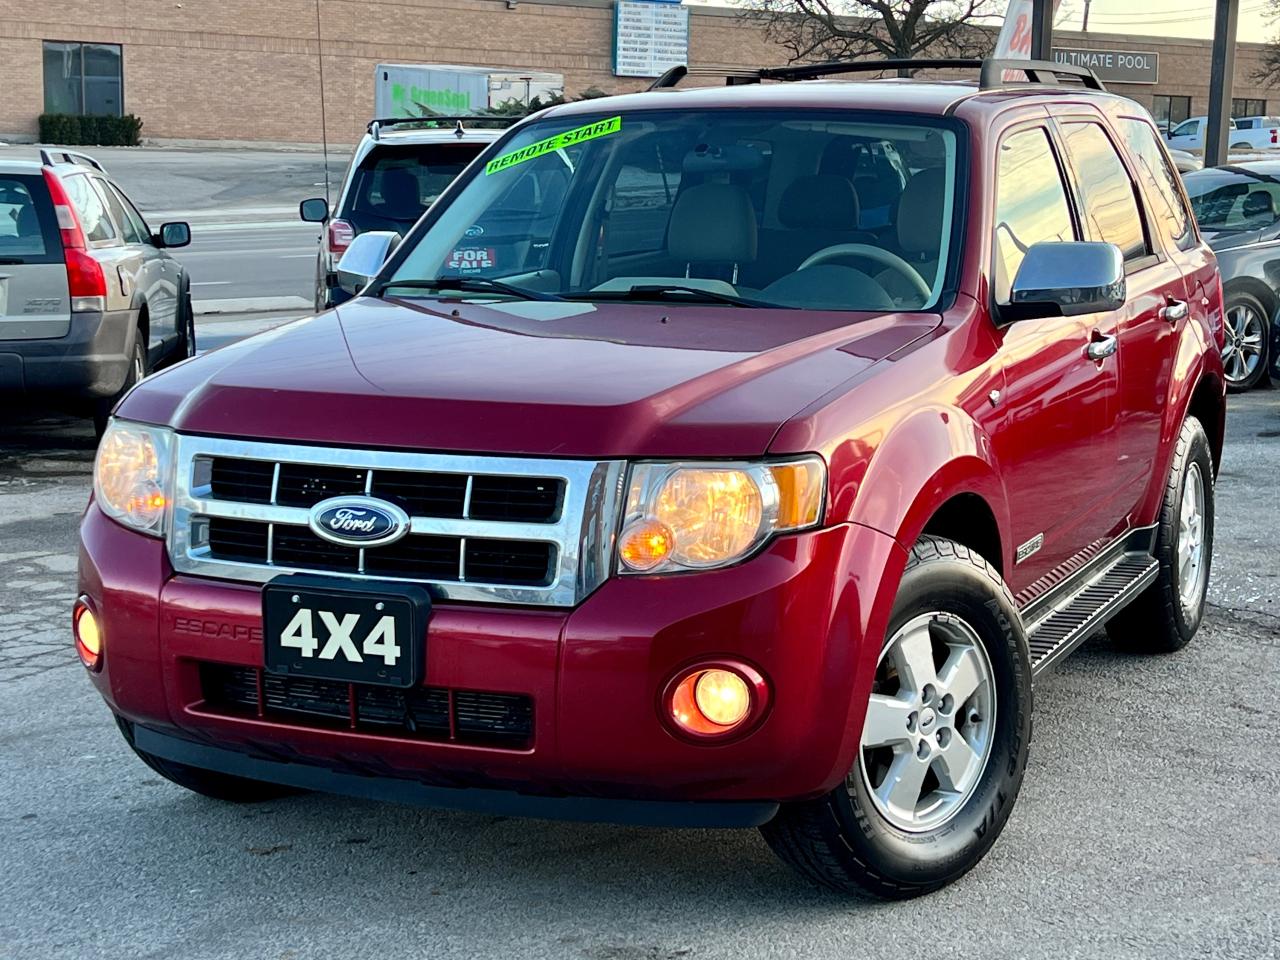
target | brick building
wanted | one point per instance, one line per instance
(251, 69)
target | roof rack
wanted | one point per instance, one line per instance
(990, 76)
(49, 158)
(460, 122)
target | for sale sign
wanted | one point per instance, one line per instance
(473, 258)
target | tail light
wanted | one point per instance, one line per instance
(86, 281)
(341, 233)
(1274, 132)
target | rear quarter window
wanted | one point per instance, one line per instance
(1167, 206)
(94, 221)
(28, 231)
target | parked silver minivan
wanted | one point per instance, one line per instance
(90, 301)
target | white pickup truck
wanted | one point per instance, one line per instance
(1246, 133)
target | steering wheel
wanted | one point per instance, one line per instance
(879, 255)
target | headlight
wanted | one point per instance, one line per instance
(692, 516)
(131, 475)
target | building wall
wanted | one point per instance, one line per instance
(250, 69)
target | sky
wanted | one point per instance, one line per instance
(1170, 18)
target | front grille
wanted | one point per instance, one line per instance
(416, 557)
(423, 713)
(419, 493)
(483, 529)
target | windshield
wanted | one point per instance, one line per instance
(822, 210)
(1226, 201)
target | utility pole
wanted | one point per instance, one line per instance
(1221, 76)
(1042, 30)
(1084, 27)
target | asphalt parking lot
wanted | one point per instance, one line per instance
(1147, 826)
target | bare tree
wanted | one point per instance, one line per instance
(815, 30)
(1268, 70)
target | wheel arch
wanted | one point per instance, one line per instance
(1255, 287)
(935, 473)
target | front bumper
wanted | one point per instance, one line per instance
(808, 613)
(90, 362)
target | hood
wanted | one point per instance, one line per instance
(541, 378)
(1231, 239)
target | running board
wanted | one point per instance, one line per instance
(1061, 621)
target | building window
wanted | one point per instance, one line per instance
(1170, 111)
(83, 78)
(1246, 107)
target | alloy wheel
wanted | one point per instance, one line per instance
(1191, 529)
(930, 722)
(1246, 342)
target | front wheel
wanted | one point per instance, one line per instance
(944, 744)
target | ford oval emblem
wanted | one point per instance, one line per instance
(358, 521)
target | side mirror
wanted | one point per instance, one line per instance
(174, 234)
(315, 210)
(364, 258)
(1067, 280)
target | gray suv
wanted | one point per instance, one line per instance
(90, 301)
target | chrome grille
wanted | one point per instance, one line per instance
(489, 529)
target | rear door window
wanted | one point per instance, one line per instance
(1111, 211)
(28, 233)
(128, 228)
(1169, 209)
(1031, 204)
(393, 185)
(90, 208)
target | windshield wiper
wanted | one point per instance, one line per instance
(671, 293)
(469, 284)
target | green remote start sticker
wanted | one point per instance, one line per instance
(600, 128)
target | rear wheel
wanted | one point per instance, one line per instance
(1244, 356)
(138, 369)
(1167, 614)
(207, 783)
(944, 744)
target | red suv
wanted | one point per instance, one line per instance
(790, 432)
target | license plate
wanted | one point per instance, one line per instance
(333, 630)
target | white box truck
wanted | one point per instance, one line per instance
(424, 89)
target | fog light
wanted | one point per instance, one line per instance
(713, 700)
(84, 625)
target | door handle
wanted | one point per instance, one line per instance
(1101, 347)
(1174, 311)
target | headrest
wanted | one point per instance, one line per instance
(820, 201)
(920, 211)
(399, 188)
(1258, 203)
(712, 223)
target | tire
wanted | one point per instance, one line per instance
(1245, 354)
(851, 841)
(207, 783)
(138, 369)
(1165, 616)
(186, 330)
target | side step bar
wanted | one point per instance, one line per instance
(1064, 619)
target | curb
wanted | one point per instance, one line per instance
(206, 308)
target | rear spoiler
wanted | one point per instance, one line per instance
(460, 122)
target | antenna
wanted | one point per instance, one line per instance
(324, 126)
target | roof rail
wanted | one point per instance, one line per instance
(990, 76)
(48, 158)
(459, 122)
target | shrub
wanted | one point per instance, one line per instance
(71, 130)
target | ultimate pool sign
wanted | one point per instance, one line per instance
(649, 37)
(1113, 66)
